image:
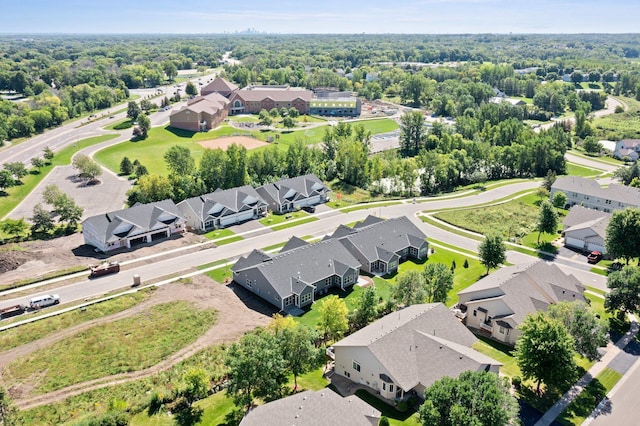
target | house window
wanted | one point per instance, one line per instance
(475, 313)
(356, 365)
(607, 201)
(249, 283)
(384, 386)
(501, 330)
(390, 388)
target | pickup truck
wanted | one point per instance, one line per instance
(104, 269)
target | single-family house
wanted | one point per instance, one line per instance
(313, 408)
(222, 208)
(221, 86)
(381, 245)
(406, 351)
(201, 113)
(142, 223)
(588, 193)
(627, 148)
(291, 194)
(297, 273)
(585, 229)
(498, 303)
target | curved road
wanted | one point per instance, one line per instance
(326, 224)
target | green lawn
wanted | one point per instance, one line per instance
(150, 152)
(577, 170)
(120, 125)
(15, 195)
(221, 274)
(590, 397)
(277, 219)
(499, 352)
(396, 417)
(121, 346)
(219, 233)
(294, 223)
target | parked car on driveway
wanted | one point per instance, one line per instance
(594, 257)
(309, 209)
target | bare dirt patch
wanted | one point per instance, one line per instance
(238, 312)
(33, 259)
(224, 143)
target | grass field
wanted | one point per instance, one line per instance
(125, 345)
(37, 330)
(150, 152)
(16, 194)
(515, 220)
(277, 219)
(624, 125)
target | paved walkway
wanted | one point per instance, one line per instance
(612, 351)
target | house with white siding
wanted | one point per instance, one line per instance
(142, 223)
(406, 351)
(222, 208)
(585, 229)
(498, 303)
(588, 193)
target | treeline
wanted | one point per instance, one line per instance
(428, 162)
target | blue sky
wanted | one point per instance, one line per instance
(320, 16)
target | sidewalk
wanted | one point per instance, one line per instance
(611, 352)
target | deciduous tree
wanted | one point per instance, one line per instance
(559, 200)
(15, 227)
(6, 180)
(588, 331)
(492, 251)
(41, 219)
(298, 351)
(438, 281)
(547, 219)
(333, 317)
(544, 351)
(412, 132)
(144, 124)
(133, 110)
(409, 288)
(365, 308)
(256, 368)
(623, 234)
(474, 398)
(625, 290)
(191, 89)
(179, 160)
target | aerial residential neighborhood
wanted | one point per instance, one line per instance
(355, 214)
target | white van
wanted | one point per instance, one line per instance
(44, 301)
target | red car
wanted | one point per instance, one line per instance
(594, 257)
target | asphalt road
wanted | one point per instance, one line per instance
(622, 405)
(326, 225)
(72, 132)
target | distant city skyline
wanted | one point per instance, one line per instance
(317, 17)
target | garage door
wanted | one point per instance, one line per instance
(574, 242)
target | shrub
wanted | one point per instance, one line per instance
(516, 381)
(402, 406)
(466, 264)
(384, 421)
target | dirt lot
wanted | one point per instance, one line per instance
(247, 142)
(32, 259)
(238, 312)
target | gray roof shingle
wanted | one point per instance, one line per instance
(420, 344)
(144, 217)
(309, 408)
